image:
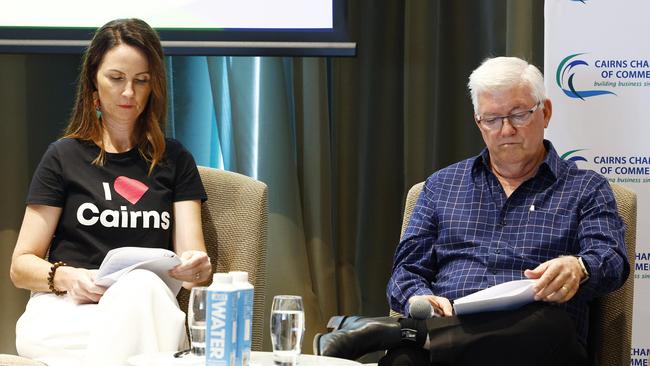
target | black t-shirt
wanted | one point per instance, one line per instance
(113, 205)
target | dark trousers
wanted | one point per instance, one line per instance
(537, 334)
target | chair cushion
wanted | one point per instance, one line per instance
(11, 360)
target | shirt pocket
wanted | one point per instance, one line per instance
(544, 235)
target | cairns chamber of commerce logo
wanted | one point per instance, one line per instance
(572, 156)
(565, 78)
(581, 77)
(617, 168)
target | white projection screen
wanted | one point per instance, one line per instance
(186, 27)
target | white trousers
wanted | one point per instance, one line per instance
(138, 314)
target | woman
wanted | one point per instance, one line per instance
(112, 181)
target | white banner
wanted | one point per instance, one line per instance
(597, 74)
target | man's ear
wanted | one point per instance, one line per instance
(548, 111)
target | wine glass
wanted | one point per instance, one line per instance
(287, 328)
(196, 320)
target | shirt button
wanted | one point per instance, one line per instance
(494, 271)
(503, 222)
(497, 251)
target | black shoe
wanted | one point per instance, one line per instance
(341, 322)
(353, 337)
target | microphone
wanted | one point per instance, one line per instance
(420, 308)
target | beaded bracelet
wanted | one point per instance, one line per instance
(50, 279)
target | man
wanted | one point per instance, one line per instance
(515, 211)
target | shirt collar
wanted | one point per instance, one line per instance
(551, 164)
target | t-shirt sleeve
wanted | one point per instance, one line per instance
(48, 185)
(188, 181)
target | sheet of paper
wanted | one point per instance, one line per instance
(123, 260)
(506, 296)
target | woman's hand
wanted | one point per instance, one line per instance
(195, 267)
(80, 284)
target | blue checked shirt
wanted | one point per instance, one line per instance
(465, 234)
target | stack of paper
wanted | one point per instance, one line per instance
(121, 261)
(505, 296)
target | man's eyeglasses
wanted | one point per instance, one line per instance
(519, 119)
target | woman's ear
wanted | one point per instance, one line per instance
(96, 102)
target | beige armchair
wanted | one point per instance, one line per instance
(11, 360)
(610, 324)
(235, 226)
(610, 332)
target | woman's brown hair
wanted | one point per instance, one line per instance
(84, 123)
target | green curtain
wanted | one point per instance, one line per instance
(36, 94)
(339, 141)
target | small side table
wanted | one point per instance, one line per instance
(257, 359)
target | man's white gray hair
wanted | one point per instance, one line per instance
(501, 73)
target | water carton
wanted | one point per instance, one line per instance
(244, 317)
(221, 326)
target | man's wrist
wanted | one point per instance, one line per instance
(584, 272)
(583, 268)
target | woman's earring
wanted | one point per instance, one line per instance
(98, 111)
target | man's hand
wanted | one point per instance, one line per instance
(559, 279)
(441, 305)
